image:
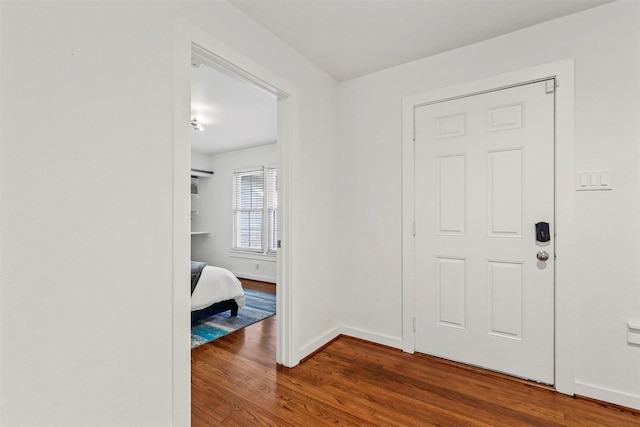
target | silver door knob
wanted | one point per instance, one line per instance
(542, 255)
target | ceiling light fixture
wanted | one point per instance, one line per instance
(195, 124)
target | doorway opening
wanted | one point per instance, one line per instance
(252, 74)
(234, 201)
(190, 42)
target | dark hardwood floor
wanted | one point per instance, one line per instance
(236, 382)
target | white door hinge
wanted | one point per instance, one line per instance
(414, 324)
(413, 228)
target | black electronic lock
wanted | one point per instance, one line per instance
(542, 232)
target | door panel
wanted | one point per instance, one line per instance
(450, 192)
(451, 289)
(505, 283)
(484, 175)
(505, 192)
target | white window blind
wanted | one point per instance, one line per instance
(255, 210)
(248, 207)
(272, 209)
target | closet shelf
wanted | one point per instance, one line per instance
(199, 173)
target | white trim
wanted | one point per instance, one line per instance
(565, 214)
(387, 340)
(186, 36)
(318, 343)
(565, 235)
(249, 169)
(181, 357)
(237, 66)
(372, 337)
(287, 348)
(408, 226)
(257, 256)
(1, 299)
(607, 395)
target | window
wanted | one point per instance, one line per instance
(272, 209)
(255, 210)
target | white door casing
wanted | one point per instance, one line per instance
(189, 40)
(484, 175)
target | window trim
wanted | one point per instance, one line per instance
(267, 217)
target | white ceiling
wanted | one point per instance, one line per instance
(234, 114)
(351, 38)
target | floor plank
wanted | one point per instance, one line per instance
(258, 286)
(235, 381)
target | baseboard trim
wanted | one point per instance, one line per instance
(372, 337)
(608, 395)
(318, 344)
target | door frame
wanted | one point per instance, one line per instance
(188, 40)
(563, 72)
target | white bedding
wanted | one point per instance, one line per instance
(216, 284)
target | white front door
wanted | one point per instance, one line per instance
(484, 176)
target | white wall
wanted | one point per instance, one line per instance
(216, 213)
(86, 211)
(200, 161)
(605, 44)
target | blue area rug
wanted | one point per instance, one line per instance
(258, 306)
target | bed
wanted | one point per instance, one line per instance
(214, 290)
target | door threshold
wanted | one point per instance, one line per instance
(486, 372)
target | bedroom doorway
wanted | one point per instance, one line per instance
(234, 195)
(188, 41)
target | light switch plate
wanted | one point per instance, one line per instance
(595, 180)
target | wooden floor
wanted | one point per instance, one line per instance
(258, 286)
(235, 381)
